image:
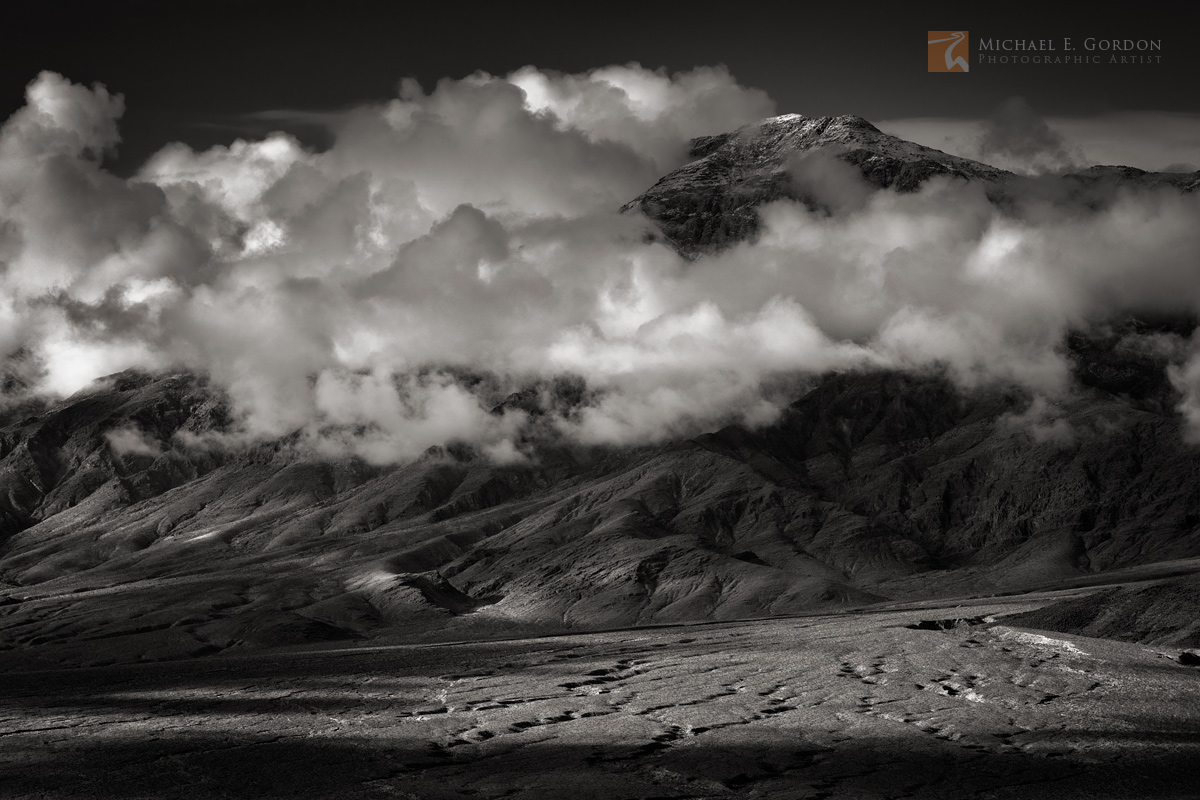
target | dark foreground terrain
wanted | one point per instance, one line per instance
(860, 704)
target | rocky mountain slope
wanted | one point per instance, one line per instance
(872, 485)
(713, 200)
(1161, 612)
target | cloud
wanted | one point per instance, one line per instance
(1185, 377)
(404, 416)
(1015, 137)
(130, 441)
(650, 112)
(61, 118)
(1042, 422)
(1157, 141)
(455, 248)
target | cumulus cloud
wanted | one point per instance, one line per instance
(457, 246)
(652, 113)
(61, 118)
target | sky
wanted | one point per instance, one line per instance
(368, 228)
(200, 72)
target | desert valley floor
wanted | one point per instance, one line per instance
(856, 704)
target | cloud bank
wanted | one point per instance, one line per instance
(1155, 141)
(453, 247)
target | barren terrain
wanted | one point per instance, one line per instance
(857, 704)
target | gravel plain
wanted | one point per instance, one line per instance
(856, 704)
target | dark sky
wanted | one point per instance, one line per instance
(189, 69)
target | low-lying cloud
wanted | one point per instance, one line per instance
(1015, 137)
(452, 247)
(1157, 141)
(129, 441)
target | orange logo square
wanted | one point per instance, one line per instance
(948, 51)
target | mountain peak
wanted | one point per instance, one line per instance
(712, 200)
(842, 121)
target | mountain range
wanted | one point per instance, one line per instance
(873, 485)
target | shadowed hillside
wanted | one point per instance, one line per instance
(872, 485)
